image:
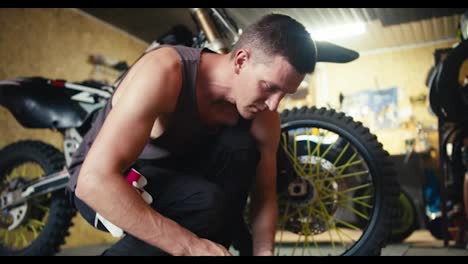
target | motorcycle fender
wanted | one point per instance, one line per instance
(35, 104)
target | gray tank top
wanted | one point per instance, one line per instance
(183, 133)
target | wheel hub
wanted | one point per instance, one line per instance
(318, 192)
(6, 219)
(18, 214)
(12, 217)
(301, 192)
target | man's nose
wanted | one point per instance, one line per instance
(273, 101)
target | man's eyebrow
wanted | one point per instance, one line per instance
(277, 87)
(273, 86)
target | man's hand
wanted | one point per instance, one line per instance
(205, 247)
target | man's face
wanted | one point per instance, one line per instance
(261, 86)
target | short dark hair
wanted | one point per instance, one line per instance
(277, 34)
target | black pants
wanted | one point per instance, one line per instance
(206, 195)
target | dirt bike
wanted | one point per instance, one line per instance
(448, 99)
(337, 189)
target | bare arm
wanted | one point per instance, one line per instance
(149, 89)
(266, 129)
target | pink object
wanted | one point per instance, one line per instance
(133, 176)
(138, 181)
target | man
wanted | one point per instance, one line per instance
(203, 130)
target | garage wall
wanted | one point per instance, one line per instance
(56, 43)
(404, 68)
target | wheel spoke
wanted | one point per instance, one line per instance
(17, 240)
(34, 230)
(7, 238)
(24, 241)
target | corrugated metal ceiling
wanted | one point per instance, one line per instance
(386, 27)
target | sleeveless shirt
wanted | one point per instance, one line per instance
(183, 133)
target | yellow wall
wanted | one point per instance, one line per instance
(56, 43)
(404, 68)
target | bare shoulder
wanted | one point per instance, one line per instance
(164, 56)
(157, 75)
(162, 60)
(266, 128)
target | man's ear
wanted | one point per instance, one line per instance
(240, 59)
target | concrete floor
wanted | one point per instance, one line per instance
(420, 243)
